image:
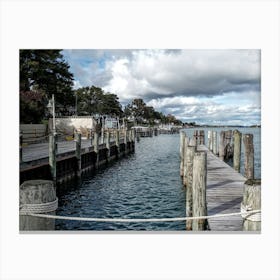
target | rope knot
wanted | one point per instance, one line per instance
(254, 217)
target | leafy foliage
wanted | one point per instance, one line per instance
(141, 113)
(44, 72)
(93, 100)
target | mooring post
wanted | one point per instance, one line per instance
(189, 181)
(137, 135)
(125, 140)
(251, 201)
(37, 197)
(222, 145)
(102, 135)
(107, 142)
(202, 137)
(209, 139)
(192, 142)
(215, 148)
(52, 155)
(90, 136)
(78, 140)
(196, 137)
(96, 148)
(236, 149)
(20, 146)
(199, 190)
(118, 142)
(186, 143)
(182, 145)
(228, 145)
(248, 156)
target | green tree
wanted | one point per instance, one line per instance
(93, 100)
(45, 71)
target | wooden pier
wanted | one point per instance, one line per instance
(215, 188)
(224, 193)
(72, 160)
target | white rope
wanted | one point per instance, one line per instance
(119, 220)
(28, 209)
(247, 215)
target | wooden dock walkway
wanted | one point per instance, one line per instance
(41, 150)
(224, 193)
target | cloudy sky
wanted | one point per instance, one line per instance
(205, 86)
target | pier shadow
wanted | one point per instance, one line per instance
(226, 182)
(224, 206)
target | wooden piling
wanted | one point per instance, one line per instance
(192, 142)
(117, 135)
(215, 150)
(199, 190)
(102, 135)
(222, 145)
(252, 201)
(228, 136)
(186, 143)
(90, 136)
(201, 137)
(78, 141)
(107, 143)
(188, 182)
(52, 155)
(236, 150)
(248, 156)
(196, 135)
(37, 196)
(96, 148)
(20, 146)
(209, 139)
(182, 145)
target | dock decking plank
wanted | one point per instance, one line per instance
(223, 194)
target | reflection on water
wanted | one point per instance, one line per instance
(146, 184)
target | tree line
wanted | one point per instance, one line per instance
(45, 72)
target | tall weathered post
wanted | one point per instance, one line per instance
(236, 149)
(102, 135)
(228, 146)
(52, 155)
(215, 148)
(248, 156)
(107, 143)
(125, 139)
(78, 141)
(182, 146)
(222, 145)
(20, 146)
(202, 137)
(196, 137)
(209, 139)
(96, 148)
(186, 143)
(251, 201)
(199, 190)
(192, 142)
(37, 197)
(190, 151)
(118, 142)
(90, 136)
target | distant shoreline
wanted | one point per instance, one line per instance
(241, 126)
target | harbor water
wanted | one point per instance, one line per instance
(146, 184)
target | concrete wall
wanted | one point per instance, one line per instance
(68, 124)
